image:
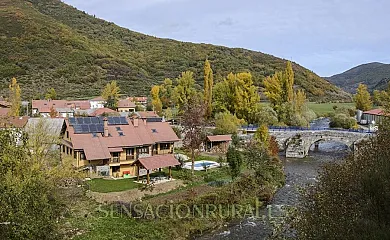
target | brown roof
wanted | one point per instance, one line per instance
(378, 112)
(220, 138)
(16, 122)
(148, 114)
(5, 103)
(162, 132)
(126, 103)
(101, 111)
(157, 161)
(45, 106)
(4, 112)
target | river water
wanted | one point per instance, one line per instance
(299, 173)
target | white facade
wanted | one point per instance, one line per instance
(97, 104)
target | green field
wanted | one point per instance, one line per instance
(106, 185)
(322, 109)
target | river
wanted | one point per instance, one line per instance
(299, 173)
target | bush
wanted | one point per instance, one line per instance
(341, 120)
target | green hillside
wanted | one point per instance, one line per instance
(375, 75)
(46, 43)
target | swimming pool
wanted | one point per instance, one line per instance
(200, 165)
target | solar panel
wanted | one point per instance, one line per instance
(117, 120)
(78, 129)
(79, 120)
(100, 128)
(87, 120)
(85, 128)
(123, 120)
(92, 128)
(111, 121)
(154, 120)
(72, 121)
(95, 120)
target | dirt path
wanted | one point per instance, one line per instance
(134, 194)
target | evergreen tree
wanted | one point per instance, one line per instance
(234, 159)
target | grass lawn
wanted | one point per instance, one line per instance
(322, 109)
(105, 185)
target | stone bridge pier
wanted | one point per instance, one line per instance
(296, 144)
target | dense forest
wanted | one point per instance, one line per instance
(46, 43)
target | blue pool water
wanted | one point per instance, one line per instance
(203, 164)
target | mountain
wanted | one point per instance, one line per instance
(46, 43)
(375, 75)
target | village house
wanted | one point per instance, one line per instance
(218, 143)
(126, 105)
(97, 102)
(62, 108)
(140, 100)
(111, 145)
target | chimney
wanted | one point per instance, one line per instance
(135, 122)
(145, 121)
(105, 125)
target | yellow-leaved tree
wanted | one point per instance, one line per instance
(156, 101)
(14, 98)
(208, 88)
(111, 95)
(362, 98)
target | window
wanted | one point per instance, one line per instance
(118, 129)
(67, 134)
(143, 150)
(165, 146)
(154, 130)
(130, 152)
(121, 134)
(82, 156)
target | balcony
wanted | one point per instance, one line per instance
(115, 160)
(130, 157)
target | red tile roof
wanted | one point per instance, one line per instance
(143, 135)
(157, 161)
(4, 112)
(101, 111)
(148, 114)
(44, 106)
(220, 138)
(5, 103)
(378, 112)
(16, 122)
(126, 103)
(100, 98)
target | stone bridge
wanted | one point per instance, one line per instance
(296, 143)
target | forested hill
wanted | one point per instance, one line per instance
(46, 43)
(375, 75)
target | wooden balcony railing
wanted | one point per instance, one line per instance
(115, 160)
(130, 157)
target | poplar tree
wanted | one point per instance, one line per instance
(156, 101)
(184, 90)
(362, 98)
(111, 94)
(208, 88)
(14, 98)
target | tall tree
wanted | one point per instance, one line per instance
(237, 94)
(111, 94)
(226, 123)
(156, 101)
(193, 122)
(261, 136)
(208, 88)
(166, 93)
(362, 98)
(14, 98)
(51, 94)
(184, 90)
(288, 83)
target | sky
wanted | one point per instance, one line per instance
(326, 36)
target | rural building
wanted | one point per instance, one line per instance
(97, 102)
(375, 115)
(218, 143)
(110, 145)
(63, 108)
(126, 105)
(140, 100)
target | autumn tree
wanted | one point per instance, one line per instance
(261, 136)
(14, 98)
(226, 123)
(53, 113)
(208, 88)
(362, 98)
(236, 94)
(193, 122)
(156, 101)
(111, 94)
(166, 93)
(184, 90)
(51, 94)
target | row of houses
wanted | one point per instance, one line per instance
(92, 107)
